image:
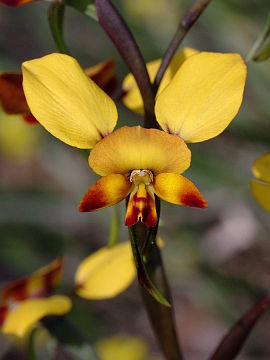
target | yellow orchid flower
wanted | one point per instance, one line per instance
(24, 302)
(199, 103)
(261, 188)
(106, 273)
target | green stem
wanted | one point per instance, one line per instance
(189, 19)
(31, 345)
(115, 227)
(56, 19)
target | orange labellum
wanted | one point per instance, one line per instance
(141, 207)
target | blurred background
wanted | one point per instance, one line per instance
(217, 260)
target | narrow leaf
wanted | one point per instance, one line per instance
(87, 7)
(56, 19)
(233, 342)
(260, 51)
(142, 273)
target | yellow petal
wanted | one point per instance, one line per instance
(133, 99)
(261, 167)
(30, 311)
(122, 347)
(38, 284)
(261, 192)
(132, 148)
(106, 273)
(66, 102)
(178, 190)
(203, 97)
(106, 192)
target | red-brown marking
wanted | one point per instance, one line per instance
(141, 209)
(94, 199)
(15, 2)
(104, 76)
(18, 290)
(3, 313)
(30, 119)
(194, 200)
(12, 95)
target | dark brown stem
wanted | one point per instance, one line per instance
(150, 266)
(189, 19)
(118, 31)
(233, 342)
(161, 317)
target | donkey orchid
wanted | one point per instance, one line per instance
(199, 103)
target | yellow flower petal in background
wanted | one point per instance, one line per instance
(66, 102)
(203, 97)
(160, 242)
(131, 148)
(108, 191)
(261, 168)
(18, 140)
(133, 99)
(106, 273)
(178, 190)
(122, 347)
(261, 192)
(28, 312)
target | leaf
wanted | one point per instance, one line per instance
(260, 51)
(85, 6)
(233, 342)
(142, 273)
(56, 20)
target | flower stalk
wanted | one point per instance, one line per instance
(189, 19)
(118, 31)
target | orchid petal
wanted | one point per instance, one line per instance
(131, 148)
(203, 97)
(28, 312)
(178, 190)
(66, 102)
(106, 273)
(107, 191)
